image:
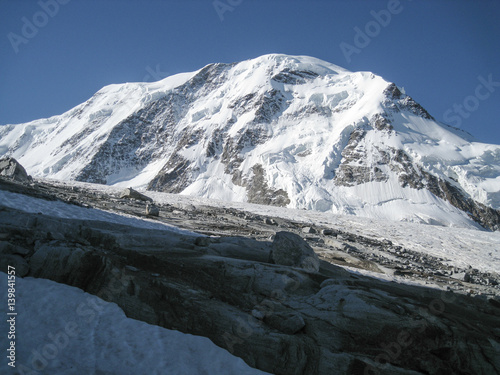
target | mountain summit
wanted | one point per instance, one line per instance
(283, 130)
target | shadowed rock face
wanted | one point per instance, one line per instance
(396, 100)
(278, 318)
(289, 249)
(10, 168)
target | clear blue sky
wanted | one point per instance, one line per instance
(55, 57)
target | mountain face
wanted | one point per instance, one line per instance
(281, 130)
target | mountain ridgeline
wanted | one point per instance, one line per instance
(281, 130)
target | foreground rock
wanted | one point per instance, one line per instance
(152, 210)
(278, 318)
(10, 168)
(290, 249)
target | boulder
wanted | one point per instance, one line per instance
(10, 168)
(134, 194)
(152, 210)
(290, 249)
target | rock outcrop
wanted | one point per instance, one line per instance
(134, 194)
(278, 318)
(10, 168)
(289, 249)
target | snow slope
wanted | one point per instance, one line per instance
(61, 330)
(279, 130)
(94, 119)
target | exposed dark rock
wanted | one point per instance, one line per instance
(243, 104)
(13, 260)
(381, 123)
(173, 177)
(290, 249)
(294, 77)
(399, 101)
(11, 249)
(260, 193)
(202, 241)
(392, 92)
(269, 106)
(231, 157)
(308, 230)
(134, 194)
(354, 168)
(10, 168)
(269, 221)
(152, 210)
(286, 322)
(231, 152)
(487, 217)
(121, 150)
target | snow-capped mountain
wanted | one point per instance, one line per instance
(282, 130)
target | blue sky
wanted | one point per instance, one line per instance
(55, 54)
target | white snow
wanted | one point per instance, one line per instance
(61, 330)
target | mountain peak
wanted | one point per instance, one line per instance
(282, 61)
(279, 130)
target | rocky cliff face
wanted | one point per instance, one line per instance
(364, 162)
(280, 130)
(10, 168)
